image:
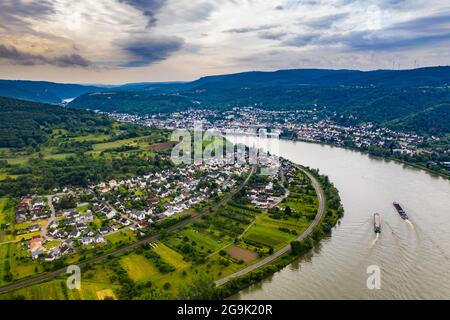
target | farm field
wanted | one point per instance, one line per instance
(267, 236)
(171, 256)
(121, 237)
(222, 242)
(241, 254)
(57, 290)
(5, 211)
(138, 267)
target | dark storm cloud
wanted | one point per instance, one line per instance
(144, 52)
(15, 56)
(149, 8)
(252, 29)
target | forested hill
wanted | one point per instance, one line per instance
(25, 123)
(434, 120)
(140, 102)
(386, 97)
(422, 77)
(396, 107)
(42, 91)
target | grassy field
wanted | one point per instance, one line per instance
(4, 259)
(58, 156)
(171, 256)
(51, 290)
(201, 238)
(138, 267)
(118, 143)
(121, 237)
(91, 138)
(268, 236)
(57, 290)
(5, 212)
(4, 175)
(17, 160)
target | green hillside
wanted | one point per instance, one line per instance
(24, 123)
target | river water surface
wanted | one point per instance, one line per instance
(414, 256)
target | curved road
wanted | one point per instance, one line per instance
(47, 276)
(307, 232)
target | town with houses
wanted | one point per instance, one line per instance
(310, 125)
(70, 219)
(90, 216)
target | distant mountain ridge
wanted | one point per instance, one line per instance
(403, 98)
(430, 76)
(43, 91)
(399, 98)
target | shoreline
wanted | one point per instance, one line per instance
(242, 280)
(317, 220)
(406, 163)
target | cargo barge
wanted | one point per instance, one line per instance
(377, 223)
(400, 211)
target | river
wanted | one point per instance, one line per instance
(413, 257)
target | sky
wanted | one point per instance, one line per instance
(120, 41)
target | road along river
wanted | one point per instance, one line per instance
(413, 256)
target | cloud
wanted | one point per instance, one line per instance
(144, 52)
(269, 35)
(435, 23)
(149, 8)
(302, 39)
(413, 33)
(13, 13)
(372, 41)
(324, 22)
(252, 29)
(198, 12)
(19, 57)
(22, 8)
(70, 60)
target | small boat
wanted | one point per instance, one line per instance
(400, 211)
(377, 223)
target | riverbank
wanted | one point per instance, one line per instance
(134, 267)
(407, 163)
(328, 214)
(412, 257)
(284, 250)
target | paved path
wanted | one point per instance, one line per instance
(307, 232)
(52, 217)
(48, 276)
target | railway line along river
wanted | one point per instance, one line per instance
(413, 256)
